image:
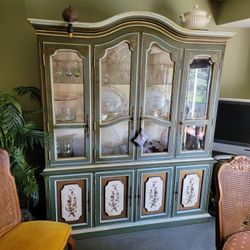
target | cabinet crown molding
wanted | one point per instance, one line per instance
(139, 18)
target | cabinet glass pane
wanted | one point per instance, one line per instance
(114, 102)
(158, 138)
(114, 139)
(194, 138)
(67, 86)
(115, 67)
(70, 143)
(198, 87)
(159, 79)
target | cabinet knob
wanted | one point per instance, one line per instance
(87, 125)
(132, 118)
(141, 116)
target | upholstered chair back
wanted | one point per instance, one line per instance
(10, 214)
(233, 215)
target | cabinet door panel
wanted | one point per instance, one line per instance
(115, 85)
(191, 189)
(157, 105)
(199, 94)
(114, 197)
(72, 199)
(67, 70)
(154, 193)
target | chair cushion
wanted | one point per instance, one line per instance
(238, 241)
(36, 235)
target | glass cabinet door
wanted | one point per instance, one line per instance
(160, 77)
(68, 96)
(116, 67)
(199, 96)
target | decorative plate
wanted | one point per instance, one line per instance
(155, 101)
(113, 101)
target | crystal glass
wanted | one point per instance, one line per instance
(115, 70)
(159, 80)
(67, 86)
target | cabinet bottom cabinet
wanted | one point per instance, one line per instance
(71, 199)
(114, 197)
(154, 193)
(192, 188)
(127, 200)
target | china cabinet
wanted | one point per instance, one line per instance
(130, 107)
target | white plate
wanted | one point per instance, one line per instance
(112, 100)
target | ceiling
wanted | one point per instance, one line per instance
(245, 23)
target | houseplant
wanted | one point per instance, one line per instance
(19, 137)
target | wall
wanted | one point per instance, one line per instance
(231, 10)
(19, 60)
(236, 74)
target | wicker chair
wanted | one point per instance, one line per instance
(233, 205)
(17, 235)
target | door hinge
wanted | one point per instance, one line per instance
(88, 201)
(43, 59)
(138, 196)
(130, 196)
(176, 195)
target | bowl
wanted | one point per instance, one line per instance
(196, 19)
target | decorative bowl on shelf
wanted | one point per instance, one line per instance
(195, 19)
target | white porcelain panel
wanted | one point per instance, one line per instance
(71, 199)
(153, 194)
(114, 195)
(190, 190)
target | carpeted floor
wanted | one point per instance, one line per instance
(190, 237)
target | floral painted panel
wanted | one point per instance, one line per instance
(190, 191)
(71, 202)
(153, 194)
(114, 195)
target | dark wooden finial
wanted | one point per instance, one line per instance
(69, 15)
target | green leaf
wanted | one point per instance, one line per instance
(35, 93)
(18, 136)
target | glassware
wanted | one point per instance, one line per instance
(64, 147)
(65, 108)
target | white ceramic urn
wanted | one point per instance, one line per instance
(195, 19)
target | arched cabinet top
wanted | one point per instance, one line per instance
(128, 19)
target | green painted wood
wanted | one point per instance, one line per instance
(48, 50)
(149, 39)
(54, 199)
(100, 198)
(100, 51)
(209, 121)
(204, 189)
(139, 202)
